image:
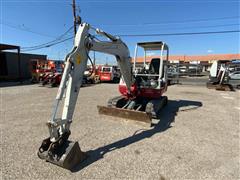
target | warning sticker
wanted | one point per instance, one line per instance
(78, 59)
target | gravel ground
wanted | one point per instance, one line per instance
(196, 138)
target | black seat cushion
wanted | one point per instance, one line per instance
(154, 66)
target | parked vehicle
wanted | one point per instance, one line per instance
(92, 75)
(53, 74)
(110, 74)
(235, 75)
(172, 72)
(37, 67)
(55, 79)
(183, 70)
(194, 70)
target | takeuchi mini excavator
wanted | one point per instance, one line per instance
(141, 87)
(219, 76)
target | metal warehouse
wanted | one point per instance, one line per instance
(15, 65)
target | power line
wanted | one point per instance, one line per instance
(59, 38)
(24, 29)
(142, 35)
(174, 22)
(178, 34)
(124, 1)
(157, 1)
(129, 25)
(192, 27)
(55, 40)
(49, 45)
(196, 27)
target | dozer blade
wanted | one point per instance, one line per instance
(211, 85)
(220, 87)
(125, 113)
(224, 87)
(67, 156)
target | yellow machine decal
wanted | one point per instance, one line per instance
(78, 59)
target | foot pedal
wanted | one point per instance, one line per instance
(67, 156)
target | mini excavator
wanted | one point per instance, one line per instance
(141, 89)
(219, 77)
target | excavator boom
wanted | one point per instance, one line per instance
(57, 148)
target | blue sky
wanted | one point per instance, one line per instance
(31, 22)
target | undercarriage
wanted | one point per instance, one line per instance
(138, 109)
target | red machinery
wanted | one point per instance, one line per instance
(109, 74)
(49, 69)
(37, 67)
(54, 74)
(92, 75)
(145, 98)
(54, 79)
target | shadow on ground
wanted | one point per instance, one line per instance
(25, 83)
(14, 83)
(167, 116)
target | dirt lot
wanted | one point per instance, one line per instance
(197, 137)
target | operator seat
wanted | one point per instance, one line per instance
(154, 69)
(154, 66)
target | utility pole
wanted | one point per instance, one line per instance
(94, 58)
(106, 60)
(74, 17)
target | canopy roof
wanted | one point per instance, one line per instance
(153, 45)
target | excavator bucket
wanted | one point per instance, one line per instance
(67, 156)
(125, 113)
